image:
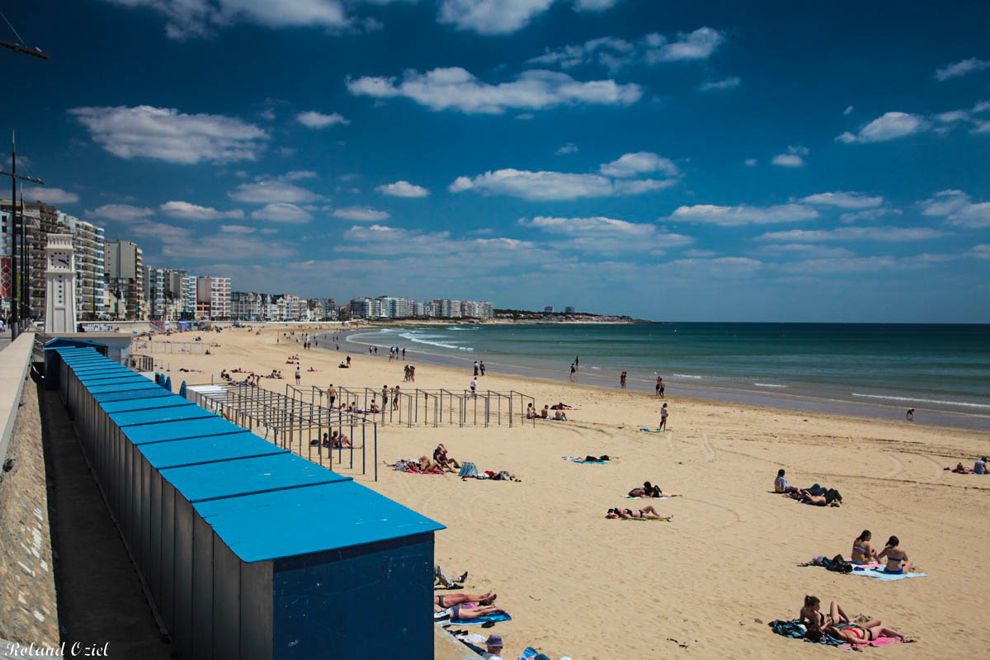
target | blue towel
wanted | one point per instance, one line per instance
(592, 462)
(886, 577)
(646, 430)
(497, 616)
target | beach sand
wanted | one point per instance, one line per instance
(706, 584)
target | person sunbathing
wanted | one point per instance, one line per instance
(961, 469)
(424, 464)
(464, 611)
(862, 551)
(815, 620)
(559, 416)
(561, 406)
(862, 633)
(443, 461)
(897, 559)
(646, 513)
(650, 490)
(449, 600)
(338, 440)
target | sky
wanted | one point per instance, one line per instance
(708, 161)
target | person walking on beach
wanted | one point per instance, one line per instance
(573, 370)
(298, 375)
(663, 418)
(660, 387)
(476, 368)
(474, 386)
(481, 367)
(403, 354)
(622, 380)
(332, 394)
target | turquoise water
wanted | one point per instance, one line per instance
(938, 367)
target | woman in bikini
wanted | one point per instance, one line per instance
(646, 513)
(449, 600)
(817, 621)
(897, 559)
(862, 551)
(864, 633)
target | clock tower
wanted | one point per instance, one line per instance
(60, 277)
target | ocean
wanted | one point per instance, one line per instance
(877, 370)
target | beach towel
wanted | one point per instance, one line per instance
(493, 618)
(580, 459)
(796, 630)
(647, 430)
(876, 572)
(662, 497)
(529, 653)
(468, 469)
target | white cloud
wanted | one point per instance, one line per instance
(454, 88)
(640, 162)
(54, 196)
(281, 189)
(360, 214)
(961, 69)
(885, 234)
(614, 53)
(597, 235)
(805, 250)
(282, 212)
(166, 134)
(403, 189)
(187, 211)
(958, 209)
(545, 186)
(718, 85)
(888, 126)
(120, 212)
(732, 216)
(849, 110)
(697, 45)
(794, 157)
(750, 162)
(237, 229)
(199, 18)
(867, 214)
(313, 119)
(491, 16)
(594, 5)
(844, 200)
(569, 148)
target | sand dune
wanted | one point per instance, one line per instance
(706, 584)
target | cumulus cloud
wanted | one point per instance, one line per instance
(594, 5)
(491, 16)
(282, 189)
(282, 212)
(454, 88)
(187, 211)
(120, 212)
(962, 68)
(637, 163)
(606, 235)
(403, 189)
(54, 196)
(793, 157)
(697, 45)
(888, 126)
(313, 119)
(614, 52)
(200, 18)
(718, 85)
(569, 148)
(546, 186)
(885, 234)
(958, 209)
(360, 214)
(166, 134)
(845, 200)
(733, 216)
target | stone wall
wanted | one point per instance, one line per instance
(28, 607)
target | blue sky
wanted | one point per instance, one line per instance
(669, 160)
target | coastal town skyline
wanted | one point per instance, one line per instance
(667, 162)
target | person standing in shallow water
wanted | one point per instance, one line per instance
(660, 387)
(573, 370)
(622, 380)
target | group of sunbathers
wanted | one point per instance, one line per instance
(440, 463)
(558, 412)
(979, 467)
(335, 440)
(816, 495)
(897, 559)
(650, 490)
(838, 625)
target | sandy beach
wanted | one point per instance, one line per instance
(707, 583)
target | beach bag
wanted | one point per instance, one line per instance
(839, 565)
(468, 469)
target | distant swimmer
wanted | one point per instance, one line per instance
(909, 415)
